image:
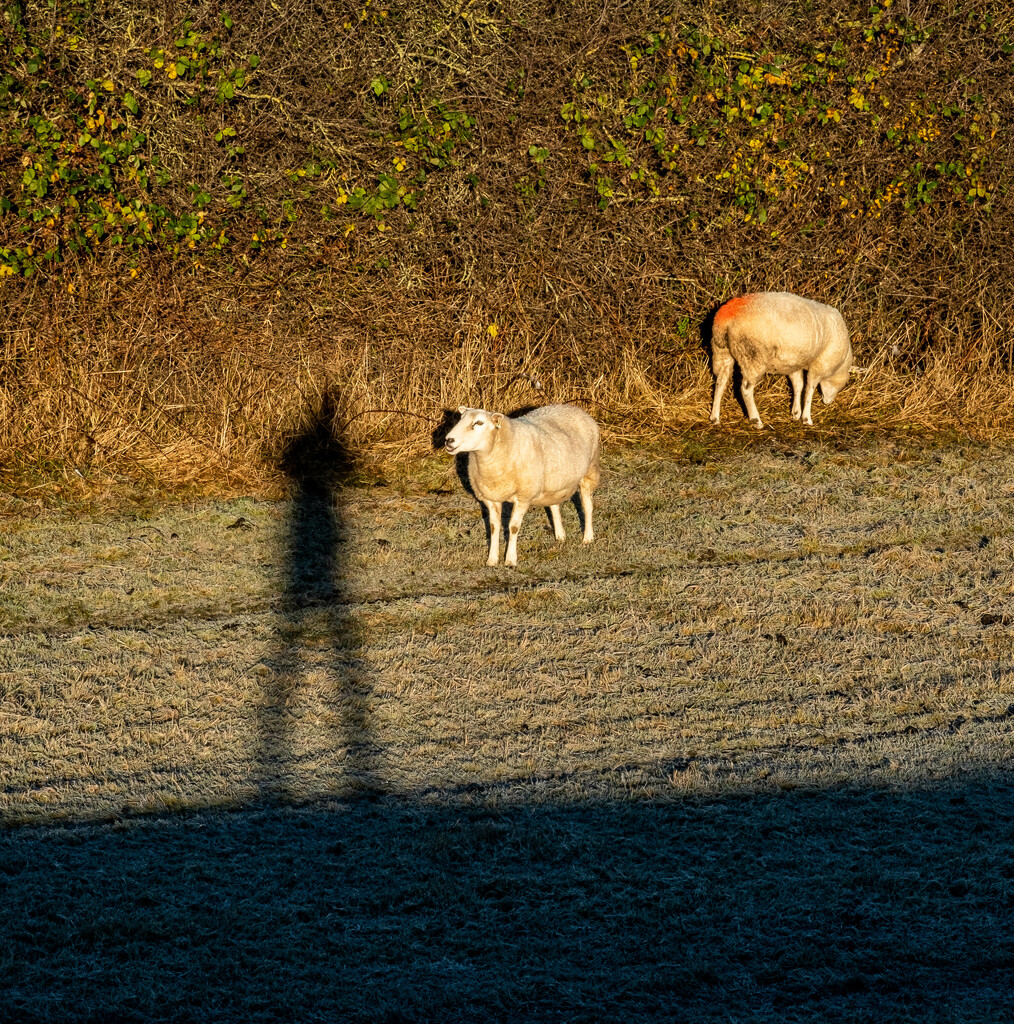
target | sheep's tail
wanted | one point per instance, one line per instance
(725, 317)
(720, 334)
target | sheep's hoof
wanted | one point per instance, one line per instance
(796, 414)
(808, 421)
(757, 424)
(715, 419)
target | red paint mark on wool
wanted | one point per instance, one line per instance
(731, 309)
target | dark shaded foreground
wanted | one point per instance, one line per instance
(807, 906)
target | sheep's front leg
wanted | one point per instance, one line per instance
(518, 513)
(493, 508)
(722, 364)
(558, 531)
(811, 386)
(797, 393)
(750, 403)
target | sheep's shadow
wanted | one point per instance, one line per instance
(448, 420)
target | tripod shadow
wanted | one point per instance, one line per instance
(317, 635)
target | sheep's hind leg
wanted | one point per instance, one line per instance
(587, 487)
(493, 508)
(797, 393)
(517, 514)
(750, 403)
(722, 364)
(558, 531)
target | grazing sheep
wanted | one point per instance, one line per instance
(778, 332)
(540, 458)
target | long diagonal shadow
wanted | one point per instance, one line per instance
(316, 628)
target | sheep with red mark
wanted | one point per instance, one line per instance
(540, 458)
(778, 332)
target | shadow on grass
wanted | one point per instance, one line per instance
(448, 422)
(861, 906)
(315, 618)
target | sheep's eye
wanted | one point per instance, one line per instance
(477, 423)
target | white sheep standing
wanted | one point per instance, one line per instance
(540, 458)
(778, 332)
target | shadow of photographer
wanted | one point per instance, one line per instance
(317, 632)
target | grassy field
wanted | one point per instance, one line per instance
(746, 758)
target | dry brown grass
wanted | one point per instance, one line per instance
(197, 372)
(151, 384)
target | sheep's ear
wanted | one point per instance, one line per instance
(462, 408)
(496, 419)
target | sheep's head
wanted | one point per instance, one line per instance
(474, 432)
(830, 386)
